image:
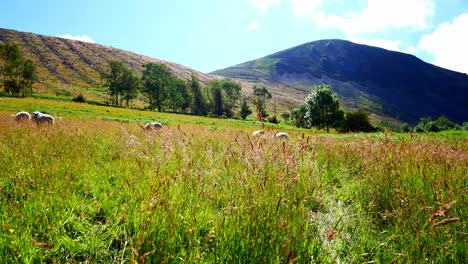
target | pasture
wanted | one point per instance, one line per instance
(96, 188)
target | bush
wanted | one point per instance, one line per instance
(79, 98)
(273, 119)
(357, 122)
(441, 124)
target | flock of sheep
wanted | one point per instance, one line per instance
(41, 118)
(37, 117)
(277, 135)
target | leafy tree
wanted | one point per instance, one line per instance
(245, 109)
(298, 116)
(218, 102)
(199, 103)
(323, 108)
(156, 80)
(130, 86)
(232, 94)
(357, 122)
(260, 96)
(113, 80)
(18, 74)
(179, 98)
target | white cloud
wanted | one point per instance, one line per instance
(448, 44)
(254, 25)
(377, 16)
(83, 38)
(264, 5)
(306, 8)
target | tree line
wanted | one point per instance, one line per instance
(164, 91)
(17, 73)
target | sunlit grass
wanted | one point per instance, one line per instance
(95, 187)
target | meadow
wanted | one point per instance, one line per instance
(96, 188)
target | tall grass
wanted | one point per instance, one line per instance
(106, 191)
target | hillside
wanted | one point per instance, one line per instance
(383, 82)
(69, 67)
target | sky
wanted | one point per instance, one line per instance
(213, 34)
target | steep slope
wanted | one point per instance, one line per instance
(383, 82)
(69, 67)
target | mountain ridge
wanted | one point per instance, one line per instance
(68, 66)
(380, 81)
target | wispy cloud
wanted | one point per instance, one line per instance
(264, 5)
(254, 25)
(83, 38)
(448, 44)
(376, 16)
(306, 8)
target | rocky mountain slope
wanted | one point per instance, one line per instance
(383, 82)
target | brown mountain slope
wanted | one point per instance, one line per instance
(70, 67)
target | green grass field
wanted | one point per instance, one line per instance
(96, 188)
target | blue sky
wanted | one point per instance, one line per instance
(213, 34)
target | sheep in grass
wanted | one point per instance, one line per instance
(153, 126)
(281, 135)
(258, 133)
(23, 116)
(41, 118)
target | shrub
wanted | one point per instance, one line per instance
(357, 122)
(273, 119)
(79, 98)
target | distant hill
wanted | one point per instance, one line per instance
(69, 67)
(383, 82)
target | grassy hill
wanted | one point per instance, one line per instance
(69, 67)
(382, 82)
(96, 188)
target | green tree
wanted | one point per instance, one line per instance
(357, 122)
(130, 86)
(198, 100)
(179, 98)
(18, 73)
(244, 109)
(298, 116)
(113, 80)
(218, 102)
(260, 97)
(232, 91)
(323, 108)
(156, 81)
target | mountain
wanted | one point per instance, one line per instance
(383, 82)
(69, 67)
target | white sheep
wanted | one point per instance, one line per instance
(258, 133)
(23, 116)
(153, 126)
(281, 135)
(43, 118)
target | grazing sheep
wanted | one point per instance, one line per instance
(23, 116)
(107, 110)
(281, 135)
(258, 133)
(43, 118)
(153, 126)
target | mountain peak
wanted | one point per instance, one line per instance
(383, 82)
